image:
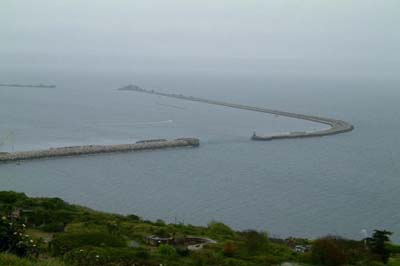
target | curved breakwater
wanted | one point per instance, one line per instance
(94, 149)
(336, 126)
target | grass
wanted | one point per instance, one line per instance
(37, 234)
(394, 262)
(12, 260)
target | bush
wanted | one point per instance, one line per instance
(182, 251)
(160, 222)
(53, 228)
(11, 197)
(65, 242)
(162, 232)
(377, 263)
(270, 260)
(393, 248)
(12, 260)
(167, 251)
(14, 240)
(206, 258)
(220, 230)
(235, 262)
(98, 256)
(41, 216)
(325, 251)
(254, 242)
(53, 203)
(393, 262)
(229, 249)
(133, 217)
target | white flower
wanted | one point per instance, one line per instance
(97, 256)
(23, 225)
(15, 233)
(4, 218)
(31, 241)
(81, 250)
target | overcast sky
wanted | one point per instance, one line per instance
(269, 29)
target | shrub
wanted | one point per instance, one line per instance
(206, 258)
(99, 256)
(394, 262)
(162, 232)
(220, 230)
(254, 242)
(393, 248)
(235, 262)
(229, 249)
(53, 228)
(160, 222)
(182, 251)
(167, 251)
(325, 251)
(14, 240)
(53, 203)
(133, 217)
(11, 197)
(65, 242)
(12, 260)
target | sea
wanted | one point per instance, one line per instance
(336, 185)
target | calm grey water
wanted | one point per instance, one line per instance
(309, 187)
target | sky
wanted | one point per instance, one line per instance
(339, 30)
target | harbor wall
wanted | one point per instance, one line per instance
(96, 149)
(336, 126)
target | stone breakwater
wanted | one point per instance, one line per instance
(336, 126)
(27, 85)
(94, 149)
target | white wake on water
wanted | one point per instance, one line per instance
(137, 123)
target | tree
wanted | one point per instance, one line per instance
(254, 242)
(378, 244)
(326, 251)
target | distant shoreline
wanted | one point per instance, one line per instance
(27, 85)
(336, 126)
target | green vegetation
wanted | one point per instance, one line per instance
(378, 245)
(13, 260)
(49, 231)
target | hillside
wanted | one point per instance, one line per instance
(49, 231)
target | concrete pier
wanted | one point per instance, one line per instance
(336, 126)
(93, 149)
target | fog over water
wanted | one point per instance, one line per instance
(142, 33)
(336, 59)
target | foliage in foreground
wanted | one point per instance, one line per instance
(13, 260)
(70, 235)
